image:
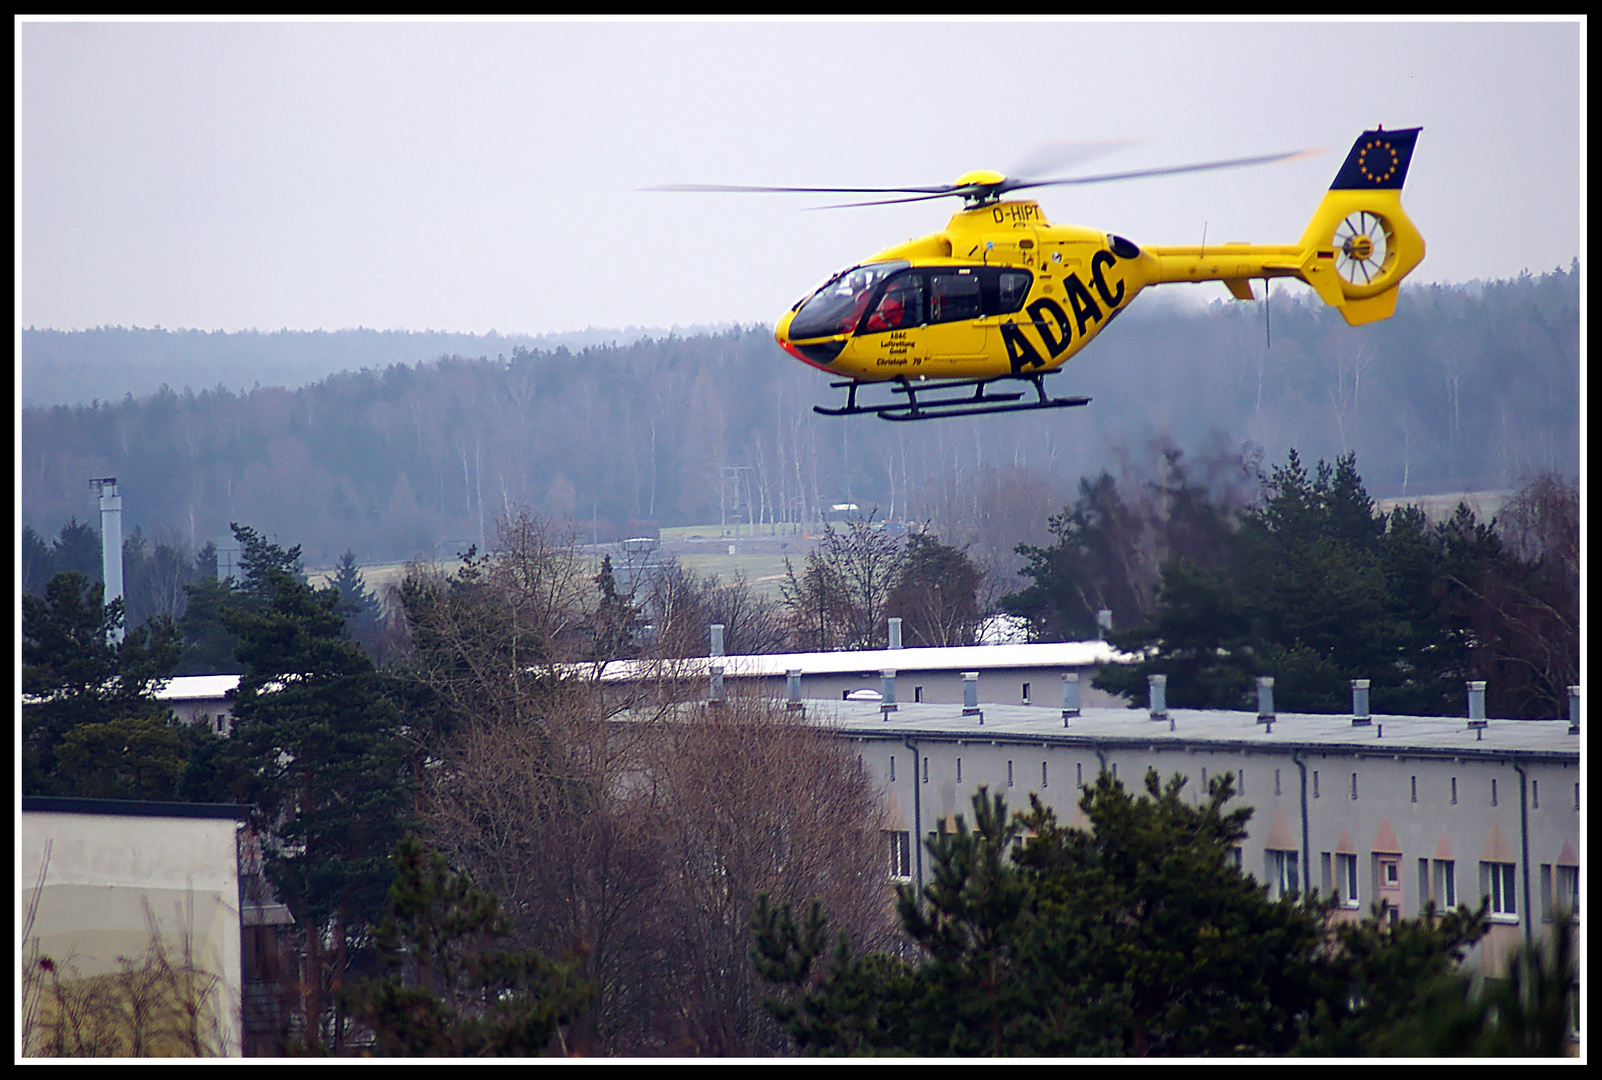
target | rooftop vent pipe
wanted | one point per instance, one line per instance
(1265, 699)
(895, 633)
(1360, 717)
(970, 695)
(887, 690)
(1574, 710)
(1159, 696)
(792, 680)
(1070, 695)
(1476, 704)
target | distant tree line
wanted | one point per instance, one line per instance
(1467, 387)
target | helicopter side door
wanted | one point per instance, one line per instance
(957, 330)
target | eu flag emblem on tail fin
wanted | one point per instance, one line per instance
(1378, 160)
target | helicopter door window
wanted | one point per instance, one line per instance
(838, 306)
(901, 306)
(954, 297)
(1012, 291)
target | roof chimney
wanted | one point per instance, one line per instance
(1265, 699)
(1360, 717)
(110, 545)
(1159, 696)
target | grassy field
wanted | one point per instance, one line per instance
(761, 561)
(1485, 504)
(760, 557)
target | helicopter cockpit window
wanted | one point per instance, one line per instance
(953, 297)
(1014, 289)
(838, 306)
(901, 306)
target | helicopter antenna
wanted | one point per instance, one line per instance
(1203, 254)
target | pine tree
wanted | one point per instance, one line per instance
(450, 991)
(323, 749)
(92, 725)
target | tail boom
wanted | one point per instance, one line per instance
(1354, 252)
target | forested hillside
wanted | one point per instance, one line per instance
(1467, 387)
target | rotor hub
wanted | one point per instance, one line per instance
(1358, 247)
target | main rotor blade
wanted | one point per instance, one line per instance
(1053, 157)
(928, 191)
(953, 190)
(1231, 163)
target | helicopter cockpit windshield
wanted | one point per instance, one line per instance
(837, 307)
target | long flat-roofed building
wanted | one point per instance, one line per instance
(1394, 809)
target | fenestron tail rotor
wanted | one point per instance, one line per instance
(1363, 243)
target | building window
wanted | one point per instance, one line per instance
(1423, 881)
(1204, 781)
(1493, 792)
(898, 846)
(917, 694)
(1242, 780)
(1026, 694)
(1446, 883)
(1568, 890)
(1496, 881)
(1346, 879)
(1354, 786)
(1282, 876)
(1325, 876)
(1079, 773)
(1414, 780)
(959, 770)
(1454, 791)
(1576, 796)
(1276, 781)
(1009, 773)
(1535, 794)
(926, 770)
(1042, 774)
(892, 768)
(1315, 782)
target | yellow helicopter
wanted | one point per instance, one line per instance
(1001, 295)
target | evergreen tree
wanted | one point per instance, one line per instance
(450, 992)
(1138, 935)
(322, 747)
(937, 593)
(92, 725)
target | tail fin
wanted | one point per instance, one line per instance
(1362, 244)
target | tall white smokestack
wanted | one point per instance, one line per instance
(110, 543)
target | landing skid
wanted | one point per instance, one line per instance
(981, 401)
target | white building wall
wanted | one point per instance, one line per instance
(107, 876)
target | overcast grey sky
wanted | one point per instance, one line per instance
(476, 176)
